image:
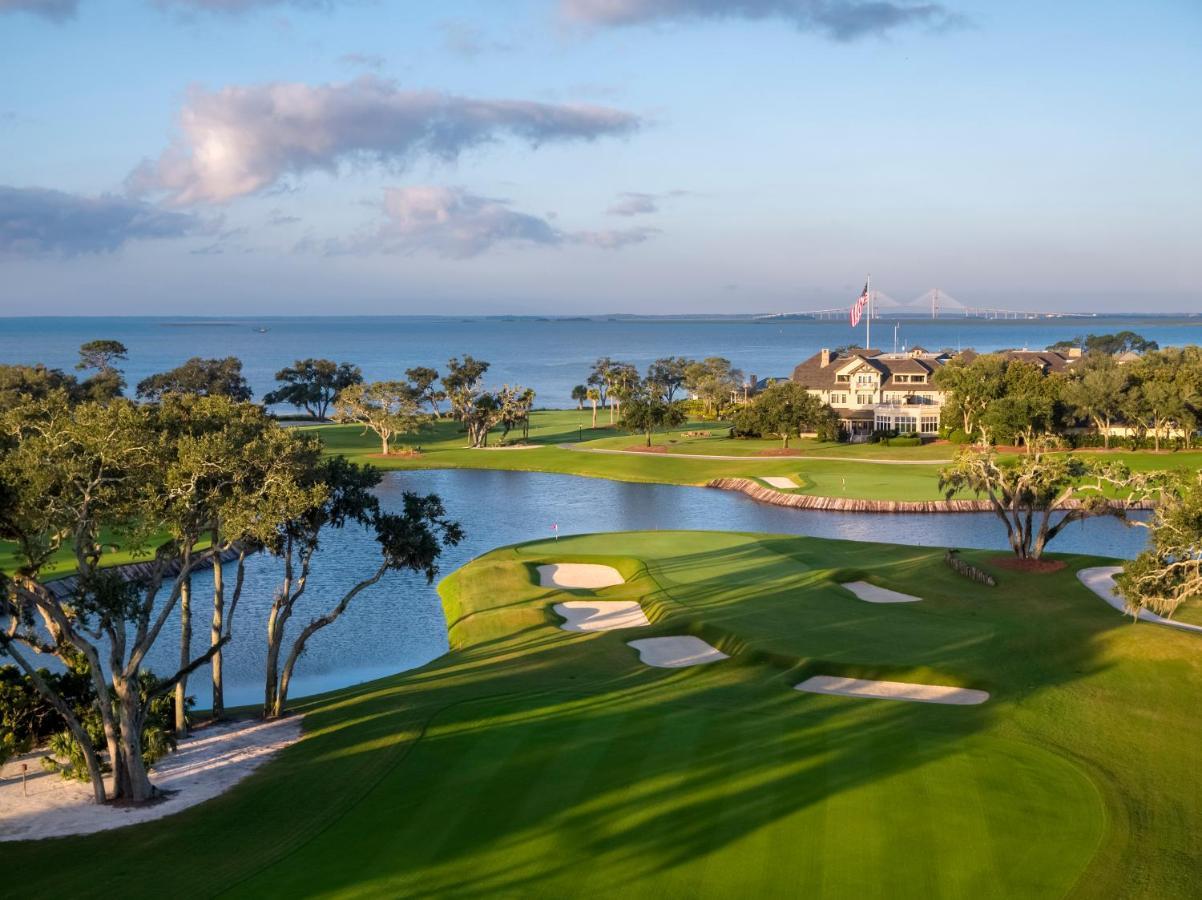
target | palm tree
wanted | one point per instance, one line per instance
(580, 394)
(593, 395)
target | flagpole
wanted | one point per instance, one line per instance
(868, 324)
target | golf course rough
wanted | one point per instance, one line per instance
(530, 761)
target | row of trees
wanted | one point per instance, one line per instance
(994, 399)
(786, 410)
(177, 484)
(713, 381)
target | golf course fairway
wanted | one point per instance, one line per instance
(533, 761)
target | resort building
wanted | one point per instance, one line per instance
(875, 391)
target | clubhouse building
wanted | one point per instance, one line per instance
(875, 391)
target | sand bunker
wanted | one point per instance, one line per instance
(1100, 580)
(778, 481)
(601, 615)
(892, 690)
(676, 652)
(579, 575)
(873, 594)
(206, 764)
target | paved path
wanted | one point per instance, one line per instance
(884, 462)
(1100, 580)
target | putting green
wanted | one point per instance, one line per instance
(532, 761)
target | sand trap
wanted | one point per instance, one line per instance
(873, 594)
(601, 615)
(892, 690)
(676, 652)
(579, 575)
(1100, 580)
(778, 481)
(207, 764)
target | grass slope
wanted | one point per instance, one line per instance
(857, 471)
(535, 762)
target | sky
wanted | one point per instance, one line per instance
(218, 157)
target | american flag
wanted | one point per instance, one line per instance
(857, 308)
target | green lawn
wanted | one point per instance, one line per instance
(825, 469)
(537, 763)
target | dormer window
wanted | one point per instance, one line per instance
(844, 379)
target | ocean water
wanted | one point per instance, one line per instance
(550, 355)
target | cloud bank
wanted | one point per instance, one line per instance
(37, 222)
(56, 10)
(638, 203)
(455, 223)
(842, 20)
(240, 140)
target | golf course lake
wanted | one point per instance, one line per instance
(398, 624)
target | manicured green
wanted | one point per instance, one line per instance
(538, 763)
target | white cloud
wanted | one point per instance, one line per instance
(240, 140)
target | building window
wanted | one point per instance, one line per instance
(864, 379)
(864, 399)
(930, 424)
(884, 423)
(905, 424)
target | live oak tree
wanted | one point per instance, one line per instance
(1169, 572)
(1096, 389)
(205, 377)
(387, 408)
(1026, 493)
(622, 381)
(713, 381)
(100, 355)
(515, 404)
(971, 386)
(72, 474)
(410, 540)
(462, 384)
(1027, 407)
(313, 384)
(670, 373)
(786, 409)
(648, 408)
(421, 381)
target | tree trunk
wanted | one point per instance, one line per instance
(215, 637)
(131, 781)
(185, 655)
(594, 415)
(384, 444)
(275, 638)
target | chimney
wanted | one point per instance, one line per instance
(824, 359)
(1074, 352)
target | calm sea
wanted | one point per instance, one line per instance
(550, 355)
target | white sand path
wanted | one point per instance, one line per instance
(676, 652)
(870, 593)
(891, 690)
(601, 615)
(1100, 580)
(206, 764)
(779, 481)
(579, 575)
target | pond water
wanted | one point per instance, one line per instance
(397, 624)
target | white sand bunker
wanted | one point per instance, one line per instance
(1100, 580)
(892, 690)
(579, 575)
(676, 652)
(778, 481)
(873, 594)
(207, 764)
(601, 615)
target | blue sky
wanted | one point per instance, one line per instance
(567, 156)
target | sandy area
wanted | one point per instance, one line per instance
(1100, 580)
(676, 652)
(892, 690)
(206, 764)
(779, 481)
(579, 575)
(601, 615)
(873, 594)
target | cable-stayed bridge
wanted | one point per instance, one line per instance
(935, 304)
